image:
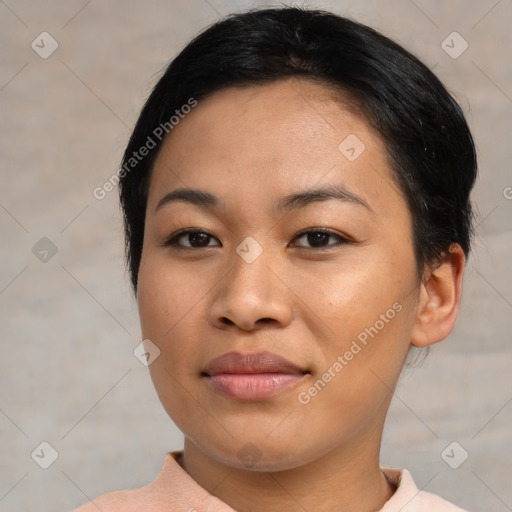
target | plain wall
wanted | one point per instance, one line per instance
(69, 325)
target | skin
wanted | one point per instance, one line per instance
(249, 147)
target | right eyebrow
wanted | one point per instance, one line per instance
(198, 197)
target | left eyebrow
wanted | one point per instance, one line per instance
(332, 191)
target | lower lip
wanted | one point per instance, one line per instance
(254, 386)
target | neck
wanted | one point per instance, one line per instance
(346, 478)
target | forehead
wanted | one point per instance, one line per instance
(259, 141)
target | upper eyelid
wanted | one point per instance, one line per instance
(183, 232)
(325, 231)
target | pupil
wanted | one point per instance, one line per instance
(198, 237)
(315, 238)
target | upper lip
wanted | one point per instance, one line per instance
(250, 363)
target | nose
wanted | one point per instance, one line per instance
(252, 296)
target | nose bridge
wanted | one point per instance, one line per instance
(250, 291)
(250, 268)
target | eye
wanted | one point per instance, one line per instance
(197, 239)
(318, 238)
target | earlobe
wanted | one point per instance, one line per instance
(439, 299)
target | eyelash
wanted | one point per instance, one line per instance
(172, 241)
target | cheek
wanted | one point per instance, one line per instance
(165, 297)
(351, 296)
(368, 309)
(168, 305)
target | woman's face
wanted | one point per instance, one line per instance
(338, 305)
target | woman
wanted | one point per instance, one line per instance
(297, 218)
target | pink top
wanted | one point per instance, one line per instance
(174, 490)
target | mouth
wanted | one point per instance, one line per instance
(253, 376)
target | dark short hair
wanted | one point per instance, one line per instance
(428, 142)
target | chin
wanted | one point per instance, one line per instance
(260, 454)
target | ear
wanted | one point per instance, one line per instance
(439, 298)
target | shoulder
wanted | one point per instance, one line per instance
(127, 500)
(149, 497)
(408, 498)
(426, 502)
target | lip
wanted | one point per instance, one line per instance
(252, 376)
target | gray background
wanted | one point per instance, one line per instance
(69, 325)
